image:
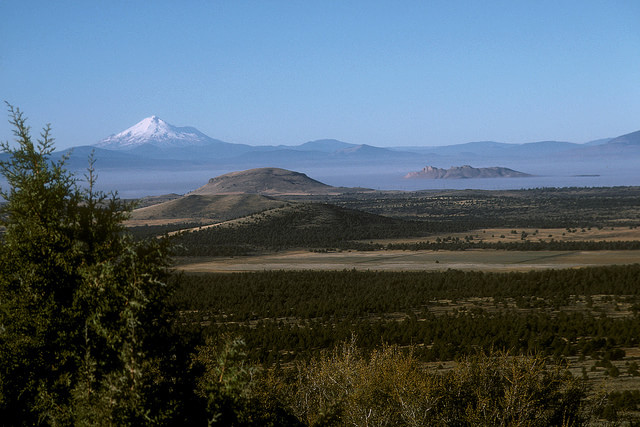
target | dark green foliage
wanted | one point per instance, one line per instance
(225, 382)
(84, 332)
(233, 395)
(288, 315)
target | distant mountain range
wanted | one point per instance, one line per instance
(465, 172)
(158, 150)
(630, 139)
(154, 139)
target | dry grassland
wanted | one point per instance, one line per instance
(506, 235)
(397, 260)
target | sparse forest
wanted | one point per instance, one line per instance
(537, 208)
(286, 316)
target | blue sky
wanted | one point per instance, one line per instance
(385, 73)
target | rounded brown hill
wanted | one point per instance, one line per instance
(268, 181)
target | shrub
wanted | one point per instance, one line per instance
(390, 387)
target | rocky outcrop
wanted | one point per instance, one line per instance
(466, 171)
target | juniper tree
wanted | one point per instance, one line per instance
(84, 333)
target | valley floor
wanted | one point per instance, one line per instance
(399, 260)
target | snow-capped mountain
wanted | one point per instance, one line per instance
(155, 132)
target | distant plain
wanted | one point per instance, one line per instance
(394, 260)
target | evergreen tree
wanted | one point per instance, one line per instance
(84, 333)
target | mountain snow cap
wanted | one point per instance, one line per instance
(156, 132)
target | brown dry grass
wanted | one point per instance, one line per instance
(396, 260)
(505, 235)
